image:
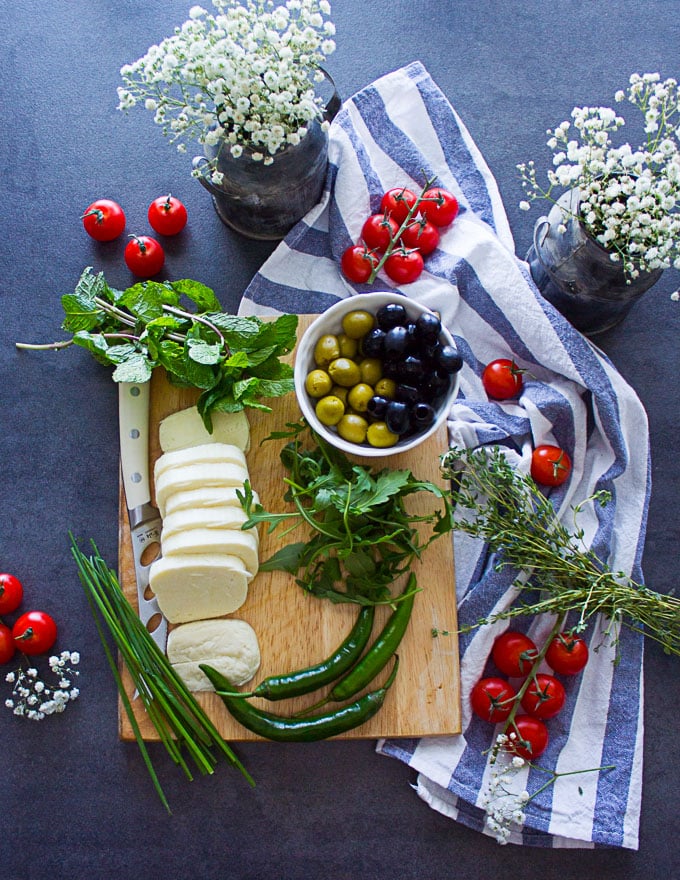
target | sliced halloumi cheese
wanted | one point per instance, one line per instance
(228, 645)
(243, 545)
(194, 476)
(195, 587)
(225, 517)
(185, 428)
(208, 453)
(205, 497)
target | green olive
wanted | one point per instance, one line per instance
(386, 388)
(348, 346)
(357, 323)
(327, 349)
(344, 371)
(371, 370)
(318, 383)
(352, 428)
(339, 391)
(358, 397)
(380, 436)
(329, 410)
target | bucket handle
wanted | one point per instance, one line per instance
(330, 111)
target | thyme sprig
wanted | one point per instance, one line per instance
(505, 508)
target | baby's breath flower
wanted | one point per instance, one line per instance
(236, 75)
(34, 698)
(630, 198)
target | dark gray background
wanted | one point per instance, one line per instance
(75, 802)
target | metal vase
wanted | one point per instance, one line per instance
(577, 275)
(265, 201)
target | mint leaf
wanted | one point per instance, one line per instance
(202, 296)
(135, 369)
(203, 352)
(146, 300)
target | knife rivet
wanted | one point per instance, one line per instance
(134, 391)
(136, 478)
(134, 433)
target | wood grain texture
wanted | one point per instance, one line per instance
(296, 629)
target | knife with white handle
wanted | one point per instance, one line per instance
(145, 520)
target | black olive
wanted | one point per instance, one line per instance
(436, 386)
(428, 327)
(449, 359)
(377, 406)
(390, 315)
(412, 369)
(372, 343)
(391, 367)
(396, 340)
(407, 394)
(422, 415)
(397, 417)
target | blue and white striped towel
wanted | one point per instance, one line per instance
(385, 136)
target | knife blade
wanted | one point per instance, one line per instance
(145, 519)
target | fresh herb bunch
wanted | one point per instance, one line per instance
(511, 514)
(182, 725)
(234, 361)
(362, 536)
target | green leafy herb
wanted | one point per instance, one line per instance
(362, 535)
(234, 361)
(183, 727)
(511, 514)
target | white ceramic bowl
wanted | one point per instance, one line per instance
(331, 322)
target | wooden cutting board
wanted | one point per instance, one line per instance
(296, 629)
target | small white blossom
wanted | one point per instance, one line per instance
(35, 699)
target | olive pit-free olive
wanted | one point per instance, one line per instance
(357, 323)
(358, 396)
(386, 388)
(380, 436)
(318, 383)
(348, 347)
(353, 427)
(329, 410)
(371, 370)
(344, 371)
(327, 349)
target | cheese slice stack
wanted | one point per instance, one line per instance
(207, 559)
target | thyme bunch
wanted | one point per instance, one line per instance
(507, 510)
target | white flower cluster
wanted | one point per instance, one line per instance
(630, 198)
(243, 76)
(504, 806)
(32, 698)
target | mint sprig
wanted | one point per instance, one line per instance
(234, 361)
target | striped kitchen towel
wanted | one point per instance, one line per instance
(390, 134)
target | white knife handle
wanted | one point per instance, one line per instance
(133, 414)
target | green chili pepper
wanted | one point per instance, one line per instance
(304, 681)
(378, 655)
(299, 729)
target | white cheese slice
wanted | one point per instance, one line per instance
(195, 476)
(205, 497)
(225, 517)
(186, 428)
(228, 645)
(208, 453)
(199, 586)
(243, 545)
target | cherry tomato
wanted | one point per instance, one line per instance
(144, 256)
(550, 465)
(421, 234)
(103, 220)
(544, 697)
(167, 215)
(439, 206)
(34, 632)
(567, 654)
(398, 202)
(531, 737)
(7, 646)
(514, 653)
(502, 379)
(378, 231)
(357, 263)
(404, 265)
(11, 593)
(492, 699)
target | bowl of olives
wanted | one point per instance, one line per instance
(376, 374)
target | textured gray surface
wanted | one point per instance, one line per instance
(76, 802)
